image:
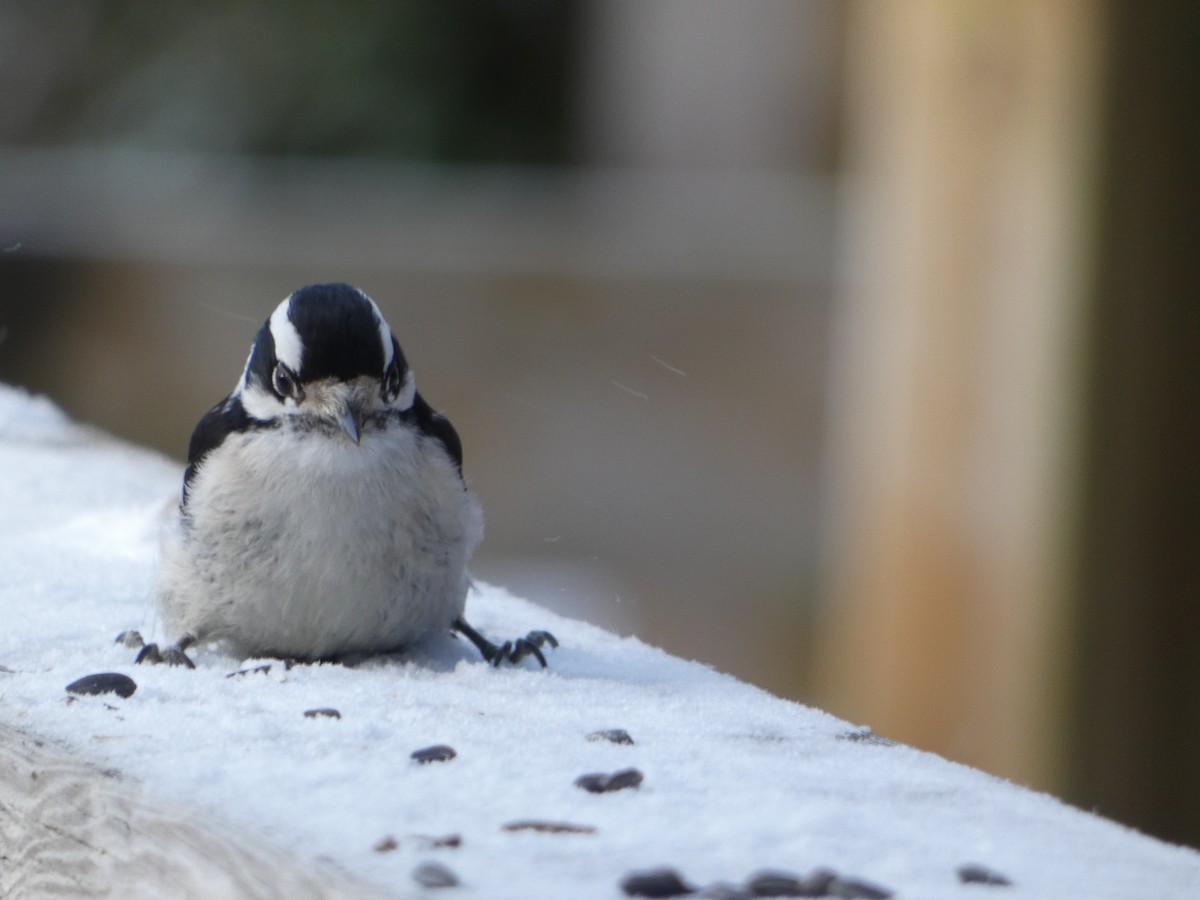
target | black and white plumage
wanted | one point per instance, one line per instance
(324, 513)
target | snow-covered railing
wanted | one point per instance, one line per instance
(251, 778)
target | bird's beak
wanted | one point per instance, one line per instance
(349, 419)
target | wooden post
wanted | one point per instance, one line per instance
(1136, 711)
(952, 412)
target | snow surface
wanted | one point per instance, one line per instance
(736, 780)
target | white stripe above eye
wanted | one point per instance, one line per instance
(288, 348)
(385, 333)
(408, 392)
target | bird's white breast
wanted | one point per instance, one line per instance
(303, 544)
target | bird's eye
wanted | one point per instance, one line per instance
(391, 383)
(285, 382)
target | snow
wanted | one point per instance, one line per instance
(736, 781)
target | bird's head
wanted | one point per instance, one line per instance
(326, 356)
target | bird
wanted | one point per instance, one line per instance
(324, 515)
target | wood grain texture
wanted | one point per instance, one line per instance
(69, 829)
(954, 398)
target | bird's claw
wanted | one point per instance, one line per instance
(172, 656)
(131, 639)
(149, 654)
(516, 650)
(509, 651)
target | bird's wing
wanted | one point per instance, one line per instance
(226, 418)
(437, 426)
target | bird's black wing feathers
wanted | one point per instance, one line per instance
(437, 426)
(222, 420)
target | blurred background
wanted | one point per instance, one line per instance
(848, 347)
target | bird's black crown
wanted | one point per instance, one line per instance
(338, 334)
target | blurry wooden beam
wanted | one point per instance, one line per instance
(1136, 735)
(117, 203)
(952, 413)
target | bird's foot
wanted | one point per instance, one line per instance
(174, 655)
(510, 651)
(516, 650)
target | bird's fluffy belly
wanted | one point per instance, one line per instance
(308, 546)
